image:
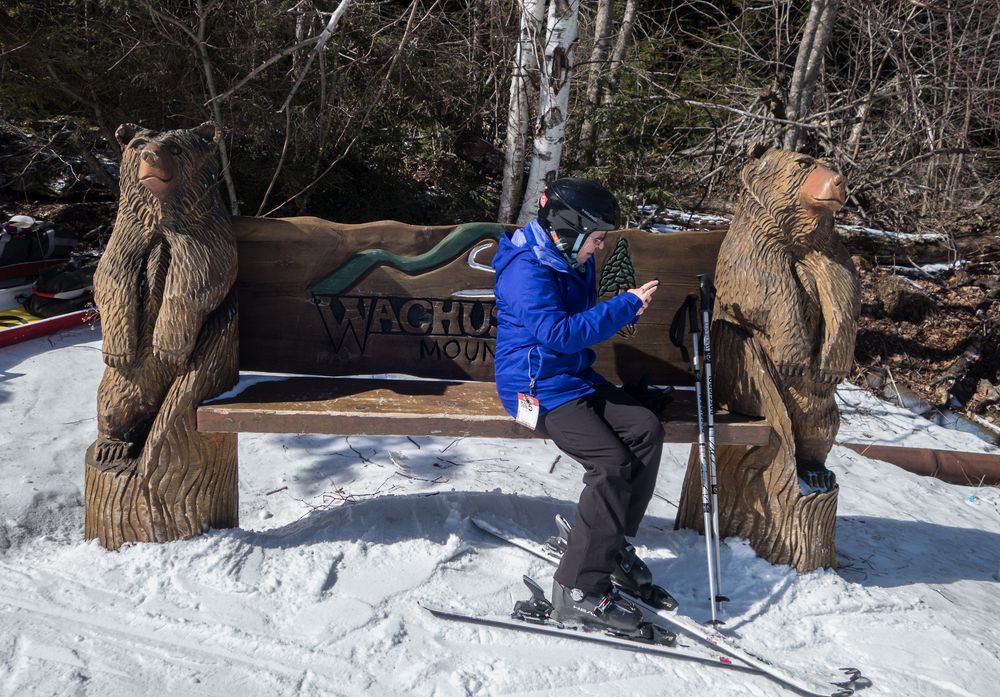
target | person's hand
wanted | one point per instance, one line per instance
(645, 293)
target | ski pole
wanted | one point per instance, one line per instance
(692, 308)
(707, 291)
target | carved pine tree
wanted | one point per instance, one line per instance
(617, 276)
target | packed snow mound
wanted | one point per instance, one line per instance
(319, 593)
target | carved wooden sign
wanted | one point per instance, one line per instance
(328, 299)
(405, 310)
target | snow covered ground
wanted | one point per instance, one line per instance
(319, 592)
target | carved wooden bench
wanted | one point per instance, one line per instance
(322, 302)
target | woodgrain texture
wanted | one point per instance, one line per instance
(783, 338)
(415, 407)
(164, 289)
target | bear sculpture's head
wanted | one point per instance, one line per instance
(170, 168)
(793, 187)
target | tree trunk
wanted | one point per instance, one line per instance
(201, 49)
(553, 103)
(618, 54)
(525, 65)
(815, 39)
(598, 64)
(200, 45)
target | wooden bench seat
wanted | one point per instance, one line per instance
(381, 407)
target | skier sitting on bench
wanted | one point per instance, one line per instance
(547, 318)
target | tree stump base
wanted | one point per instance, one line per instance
(781, 524)
(129, 503)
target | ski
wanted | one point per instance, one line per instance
(555, 629)
(846, 677)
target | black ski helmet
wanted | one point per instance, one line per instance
(571, 209)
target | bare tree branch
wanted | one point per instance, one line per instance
(321, 40)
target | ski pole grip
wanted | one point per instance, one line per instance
(707, 291)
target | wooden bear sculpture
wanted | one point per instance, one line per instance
(164, 288)
(783, 339)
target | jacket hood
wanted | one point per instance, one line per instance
(529, 239)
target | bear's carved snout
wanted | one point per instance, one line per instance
(156, 169)
(824, 191)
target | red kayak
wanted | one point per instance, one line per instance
(17, 325)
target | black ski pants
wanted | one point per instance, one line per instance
(618, 441)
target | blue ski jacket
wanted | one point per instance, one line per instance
(547, 318)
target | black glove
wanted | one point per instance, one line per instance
(653, 398)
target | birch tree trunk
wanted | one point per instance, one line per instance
(553, 103)
(815, 38)
(518, 113)
(597, 66)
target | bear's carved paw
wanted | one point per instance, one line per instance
(816, 476)
(118, 361)
(832, 377)
(114, 455)
(791, 370)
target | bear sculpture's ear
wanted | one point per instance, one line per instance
(126, 132)
(209, 132)
(756, 150)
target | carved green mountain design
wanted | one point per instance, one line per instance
(361, 264)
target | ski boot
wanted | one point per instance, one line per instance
(631, 573)
(633, 576)
(605, 612)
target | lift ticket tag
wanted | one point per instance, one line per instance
(527, 410)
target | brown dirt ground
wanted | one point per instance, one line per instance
(937, 336)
